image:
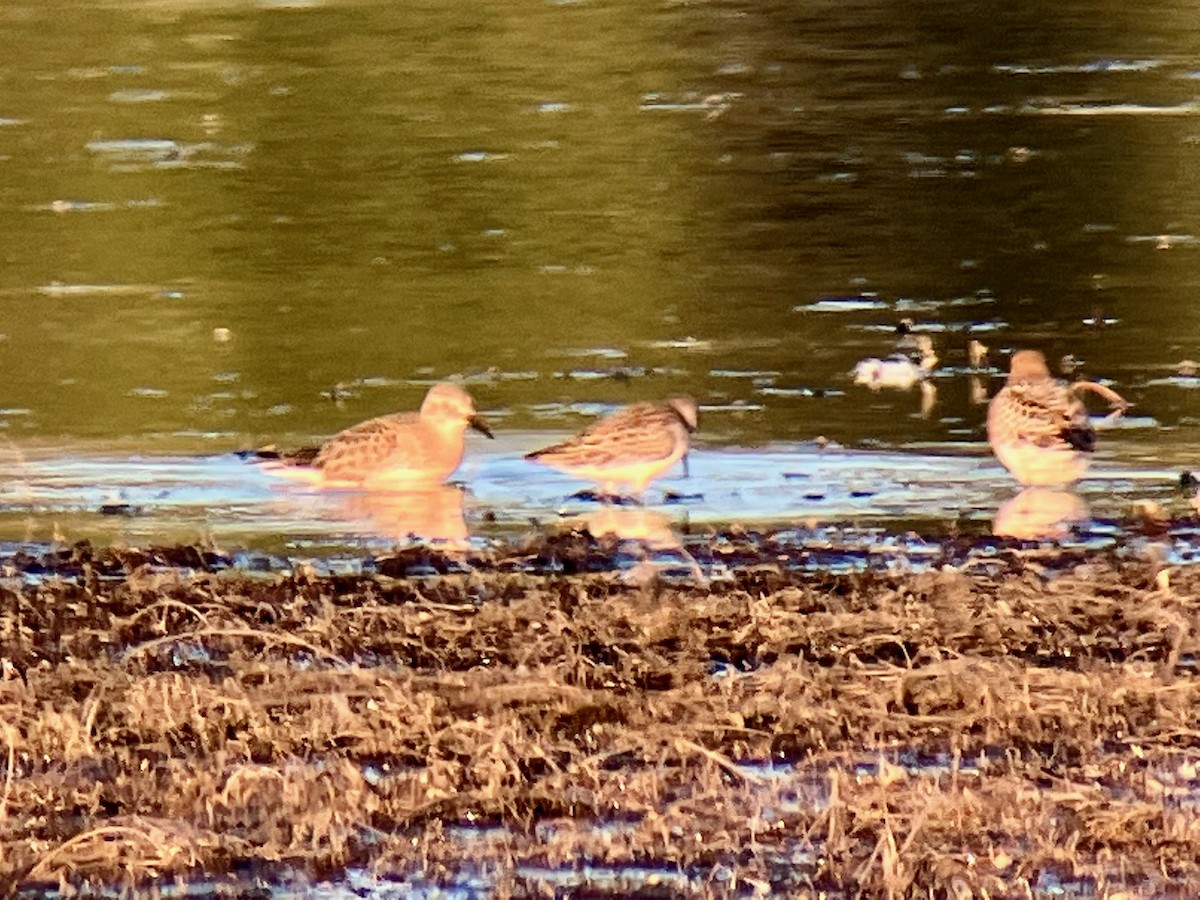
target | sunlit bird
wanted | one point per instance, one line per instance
(630, 447)
(1038, 427)
(399, 450)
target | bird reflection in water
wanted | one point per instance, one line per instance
(429, 513)
(1039, 512)
(659, 545)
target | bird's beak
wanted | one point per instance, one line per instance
(481, 426)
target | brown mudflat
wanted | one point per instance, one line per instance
(1009, 728)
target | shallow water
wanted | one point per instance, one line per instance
(231, 502)
(234, 223)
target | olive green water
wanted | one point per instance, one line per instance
(219, 214)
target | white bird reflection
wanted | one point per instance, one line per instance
(1039, 512)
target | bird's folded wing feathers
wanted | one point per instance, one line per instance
(1049, 414)
(641, 431)
(359, 446)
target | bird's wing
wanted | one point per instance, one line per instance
(362, 447)
(1048, 414)
(643, 431)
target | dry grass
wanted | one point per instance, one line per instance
(977, 731)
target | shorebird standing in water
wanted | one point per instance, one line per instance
(399, 450)
(631, 446)
(1038, 427)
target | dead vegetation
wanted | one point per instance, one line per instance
(990, 730)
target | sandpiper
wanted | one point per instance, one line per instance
(397, 450)
(630, 447)
(1038, 427)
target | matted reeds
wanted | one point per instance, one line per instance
(970, 731)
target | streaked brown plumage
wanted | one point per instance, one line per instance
(1037, 426)
(631, 446)
(400, 449)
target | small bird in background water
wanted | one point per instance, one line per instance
(631, 446)
(898, 370)
(396, 450)
(1038, 427)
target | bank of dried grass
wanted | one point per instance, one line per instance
(963, 732)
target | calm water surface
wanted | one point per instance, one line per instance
(222, 217)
